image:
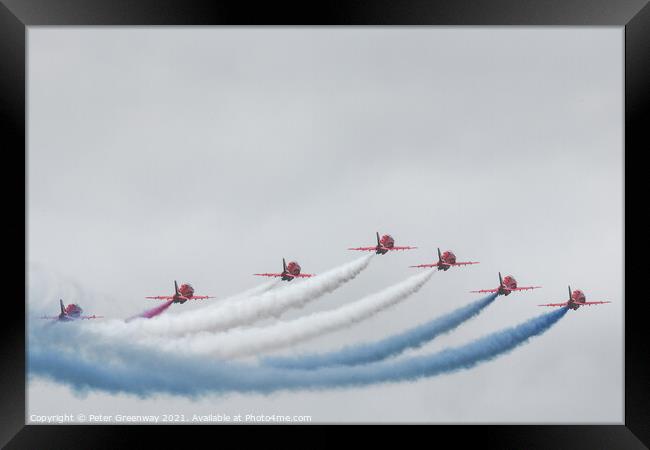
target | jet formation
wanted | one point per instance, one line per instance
(385, 243)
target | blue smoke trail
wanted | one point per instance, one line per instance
(385, 348)
(131, 370)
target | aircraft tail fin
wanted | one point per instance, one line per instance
(439, 255)
(176, 287)
(500, 279)
(284, 265)
(61, 305)
(378, 238)
(569, 292)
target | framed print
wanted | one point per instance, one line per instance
(378, 213)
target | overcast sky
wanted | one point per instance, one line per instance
(208, 154)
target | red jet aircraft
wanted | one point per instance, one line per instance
(289, 272)
(182, 294)
(576, 300)
(446, 260)
(384, 244)
(506, 286)
(70, 313)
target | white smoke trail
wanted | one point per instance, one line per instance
(271, 303)
(244, 342)
(252, 292)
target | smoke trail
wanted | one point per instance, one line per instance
(130, 369)
(153, 312)
(257, 290)
(244, 342)
(232, 314)
(385, 348)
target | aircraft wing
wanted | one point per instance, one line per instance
(92, 317)
(364, 249)
(400, 248)
(486, 291)
(525, 288)
(555, 304)
(427, 265)
(268, 274)
(304, 275)
(162, 297)
(590, 303)
(463, 263)
(200, 297)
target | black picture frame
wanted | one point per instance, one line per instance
(16, 15)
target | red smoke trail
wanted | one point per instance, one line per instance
(153, 312)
